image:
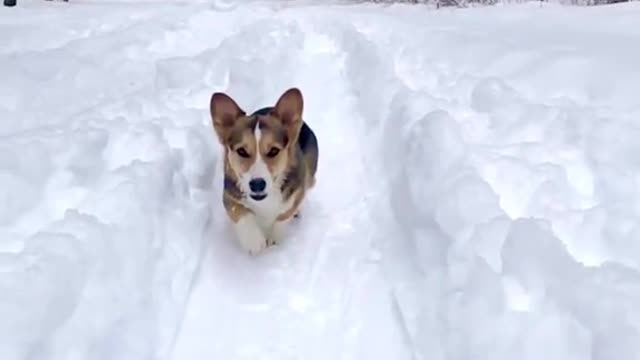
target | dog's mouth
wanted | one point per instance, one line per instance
(258, 197)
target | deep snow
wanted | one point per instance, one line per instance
(477, 194)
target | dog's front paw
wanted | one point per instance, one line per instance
(277, 233)
(250, 235)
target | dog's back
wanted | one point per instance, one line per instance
(309, 147)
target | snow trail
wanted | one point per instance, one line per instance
(278, 305)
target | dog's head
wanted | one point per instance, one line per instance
(259, 148)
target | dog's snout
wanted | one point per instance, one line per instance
(257, 185)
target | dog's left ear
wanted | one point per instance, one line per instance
(289, 110)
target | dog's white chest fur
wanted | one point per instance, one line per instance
(268, 209)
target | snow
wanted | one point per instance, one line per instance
(477, 194)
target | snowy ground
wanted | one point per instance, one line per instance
(477, 197)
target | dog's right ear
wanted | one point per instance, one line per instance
(224, 112)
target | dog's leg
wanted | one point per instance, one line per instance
(294, 208)
(277, 233)
(250, 234)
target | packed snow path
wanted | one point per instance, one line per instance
(477, 195)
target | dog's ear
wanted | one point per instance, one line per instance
(289, 110)
(224, 112)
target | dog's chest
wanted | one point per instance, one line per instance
(268, 209)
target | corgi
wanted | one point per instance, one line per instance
(270, 163)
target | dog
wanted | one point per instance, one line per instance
(270, 164)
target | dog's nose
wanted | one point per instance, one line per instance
(257, 185)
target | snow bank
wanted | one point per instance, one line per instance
(104, 241)
(511, 182)
(105, 190)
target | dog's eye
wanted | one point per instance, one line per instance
(242, 152)
(273, 152)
